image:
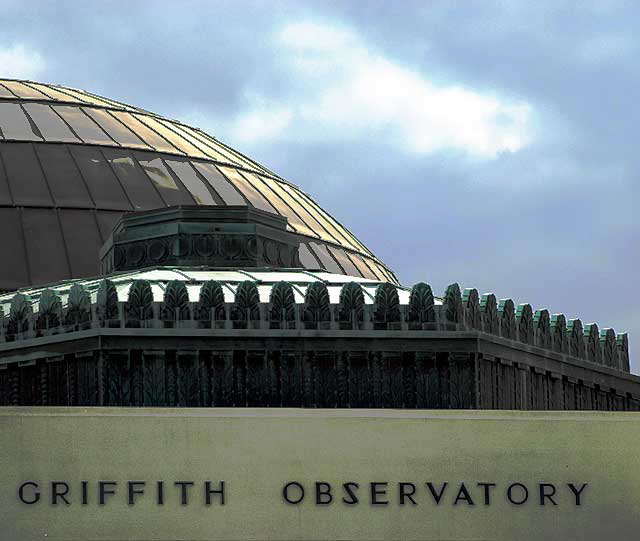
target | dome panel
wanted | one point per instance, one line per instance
(190, 179)
(26, 182)
(13, 269)
(153, 139)
(63, 178)
(115, 129)
(45, 245)
(50, 125)
(182, 145)
(220, 185)
(24, 91)
(164, 180)
(141, 191)
(82, 239)
(15, 125)
(84, 127)
(4, 93)
(104, 187)
(248, 190)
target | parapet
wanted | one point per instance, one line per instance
(295, 300)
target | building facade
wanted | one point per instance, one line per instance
(148, 264)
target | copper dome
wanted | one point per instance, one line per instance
(71, 163)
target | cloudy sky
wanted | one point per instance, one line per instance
(488, 143)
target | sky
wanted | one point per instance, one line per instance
(487, 143)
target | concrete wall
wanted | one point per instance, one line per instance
(256, 452)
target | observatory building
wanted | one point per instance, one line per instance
(146, 263)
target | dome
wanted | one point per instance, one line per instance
(72, 162)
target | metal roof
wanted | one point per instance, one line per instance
(72, 162)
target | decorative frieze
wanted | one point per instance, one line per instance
(229, 236)
(359, 307)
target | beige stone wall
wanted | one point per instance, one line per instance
(256, 452)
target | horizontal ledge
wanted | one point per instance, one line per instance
(467, 342)
(289, 413)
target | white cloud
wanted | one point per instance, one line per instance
(20, 62)
(262, 123)
(344, 89)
